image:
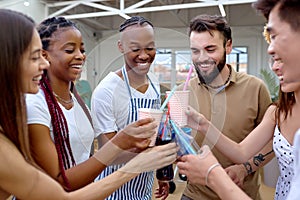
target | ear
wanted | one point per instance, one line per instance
(120, 46)
(228, 46)
(45, 55)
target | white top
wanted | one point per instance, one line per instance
(110, 102)
(112, 108)
(294, 193)
(285, 158)
(80, 130)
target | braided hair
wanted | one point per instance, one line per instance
(58, 120)
(134, 20)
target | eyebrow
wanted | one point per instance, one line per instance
(72, 44)
(206, 47)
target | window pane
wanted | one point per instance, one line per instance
(183, 64)
(238, 59)
(162, 65)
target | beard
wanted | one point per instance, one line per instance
(208, 78)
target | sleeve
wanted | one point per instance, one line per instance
(37, 110)
(264, 101)
(102, 111)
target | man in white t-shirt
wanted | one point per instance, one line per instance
(117, 98)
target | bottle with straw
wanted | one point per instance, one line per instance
(165, 136)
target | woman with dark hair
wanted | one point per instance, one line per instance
(21, 69)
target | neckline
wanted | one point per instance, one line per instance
(224, 84)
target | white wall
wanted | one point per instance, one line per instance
(36, 9)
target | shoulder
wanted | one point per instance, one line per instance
(9, 154)
(110, 88)
(109, 83)
(40, 96)
(270, 112)
(241, 76)
(249, 81)
(36, 100)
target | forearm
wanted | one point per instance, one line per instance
(220, 182)
(104, 187)
(261, 159)
(120, 156)
(85, 173)
(234, 151)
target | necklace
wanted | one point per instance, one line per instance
(63, 100)
(227, 80)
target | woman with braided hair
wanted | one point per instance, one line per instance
(60, 126)
(21, 68)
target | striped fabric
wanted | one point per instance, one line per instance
(139, 188)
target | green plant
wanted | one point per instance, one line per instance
(271, 81)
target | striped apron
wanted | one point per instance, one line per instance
(139, 188)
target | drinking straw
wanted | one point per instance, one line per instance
(185, 144)
(168, 98)
(188, 78)
(166, 123)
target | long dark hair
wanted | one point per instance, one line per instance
(15, 38)
(284, 104)
(58, 120)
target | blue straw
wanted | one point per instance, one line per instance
(186, 144)
(168, 98)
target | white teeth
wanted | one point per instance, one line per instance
(143, 64)
(280, 78)
(38, 78)
(77, 66)
(205, 65)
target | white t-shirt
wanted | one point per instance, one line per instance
(112, 109)
(80, 130)
(110, 102)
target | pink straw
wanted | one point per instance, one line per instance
(188, 78)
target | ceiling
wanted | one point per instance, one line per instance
(103, 15)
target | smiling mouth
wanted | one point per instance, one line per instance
(77, 66)
(205, 65)
(37, 78)
(146, 64)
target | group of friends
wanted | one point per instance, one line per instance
(47, 131)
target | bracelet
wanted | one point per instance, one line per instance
(209, 170)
